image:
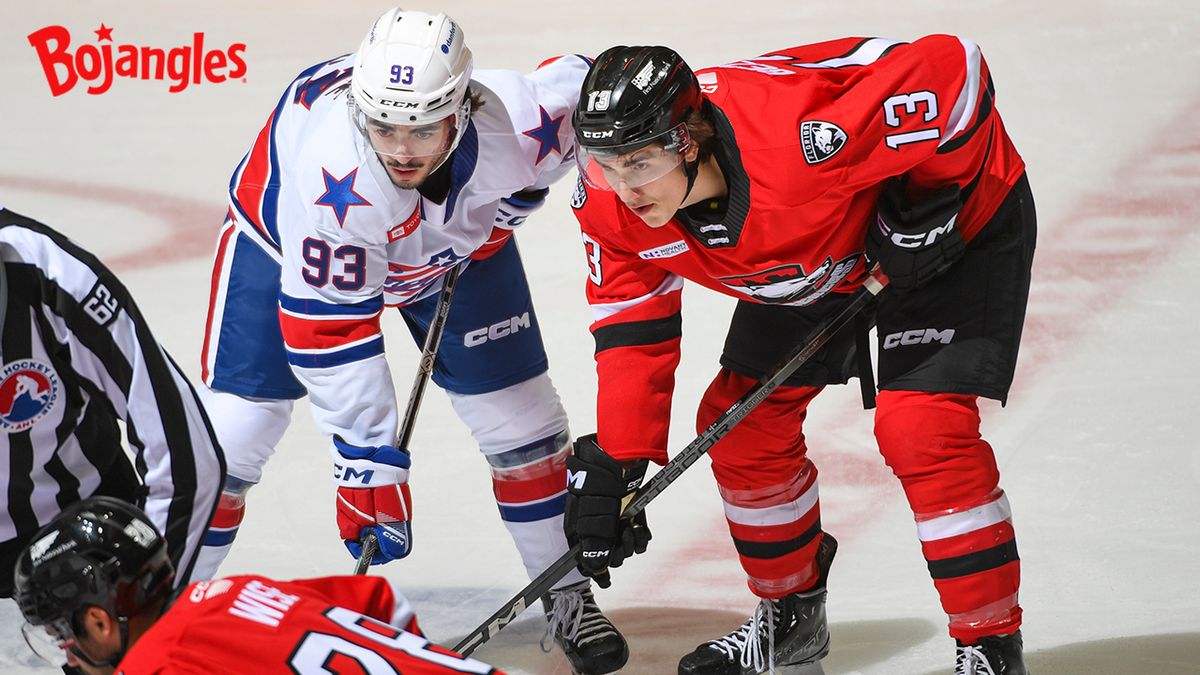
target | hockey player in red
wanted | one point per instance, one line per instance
(780, 180)
(95, 590)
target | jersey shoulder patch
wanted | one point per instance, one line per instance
(821, 140)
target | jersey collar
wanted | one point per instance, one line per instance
(725, 232)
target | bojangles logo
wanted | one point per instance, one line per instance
(101, 63)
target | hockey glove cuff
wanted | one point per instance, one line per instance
(915, 240)
(597, 488)
(517, 207)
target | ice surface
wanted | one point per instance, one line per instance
(1097, 446)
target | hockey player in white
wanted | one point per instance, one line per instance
(374, 176)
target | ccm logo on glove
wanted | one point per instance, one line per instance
(348, 474)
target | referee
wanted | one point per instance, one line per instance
(76, 358)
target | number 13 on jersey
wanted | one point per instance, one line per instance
(924, 103)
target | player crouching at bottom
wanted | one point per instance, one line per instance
(95, 590)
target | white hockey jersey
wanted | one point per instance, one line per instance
(314, 195)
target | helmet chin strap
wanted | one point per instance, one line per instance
(691, 170)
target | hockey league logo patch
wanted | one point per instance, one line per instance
(579, 197)
(28, 392)
(821, 140)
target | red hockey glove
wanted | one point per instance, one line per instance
(372, 495)
(596, 486)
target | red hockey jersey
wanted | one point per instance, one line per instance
(255, 625)
(808, 135)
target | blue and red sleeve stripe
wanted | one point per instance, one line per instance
(320, 334)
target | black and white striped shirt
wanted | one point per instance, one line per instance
(76, 357)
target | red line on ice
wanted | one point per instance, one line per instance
(191, 225)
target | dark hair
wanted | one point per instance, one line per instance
(476, 99)
(703, 131)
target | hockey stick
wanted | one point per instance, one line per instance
(678, 464)
(433, 338)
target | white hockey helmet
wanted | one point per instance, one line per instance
(412, 69)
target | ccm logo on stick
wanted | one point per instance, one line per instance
(919, 336)
(497, 330)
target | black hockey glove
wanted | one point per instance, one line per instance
(915, 242)
(596, 486)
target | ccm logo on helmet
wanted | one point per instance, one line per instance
(596, 134)
(407, 105)
(919, 336)
(497, 330)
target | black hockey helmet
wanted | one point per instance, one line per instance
(100, 552)
(632, 97)
(634, 94)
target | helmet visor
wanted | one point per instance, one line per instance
(417, 142)
(636, 164)
(51, 640)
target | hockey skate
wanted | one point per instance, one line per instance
(995, 655)
(592, 644)
(786, 633)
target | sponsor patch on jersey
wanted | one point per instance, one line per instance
(28, 392)
(579, 197)
(668, 251)
(407, 227)
(708, 82)
(820, 140)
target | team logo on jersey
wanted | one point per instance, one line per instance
(579, 197)
(28, 392)
(790, 284)
(821, 140)
(98, 65)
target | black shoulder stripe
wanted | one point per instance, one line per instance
(635, 333)
(889, 50)
(850, 52)
(985, 111)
